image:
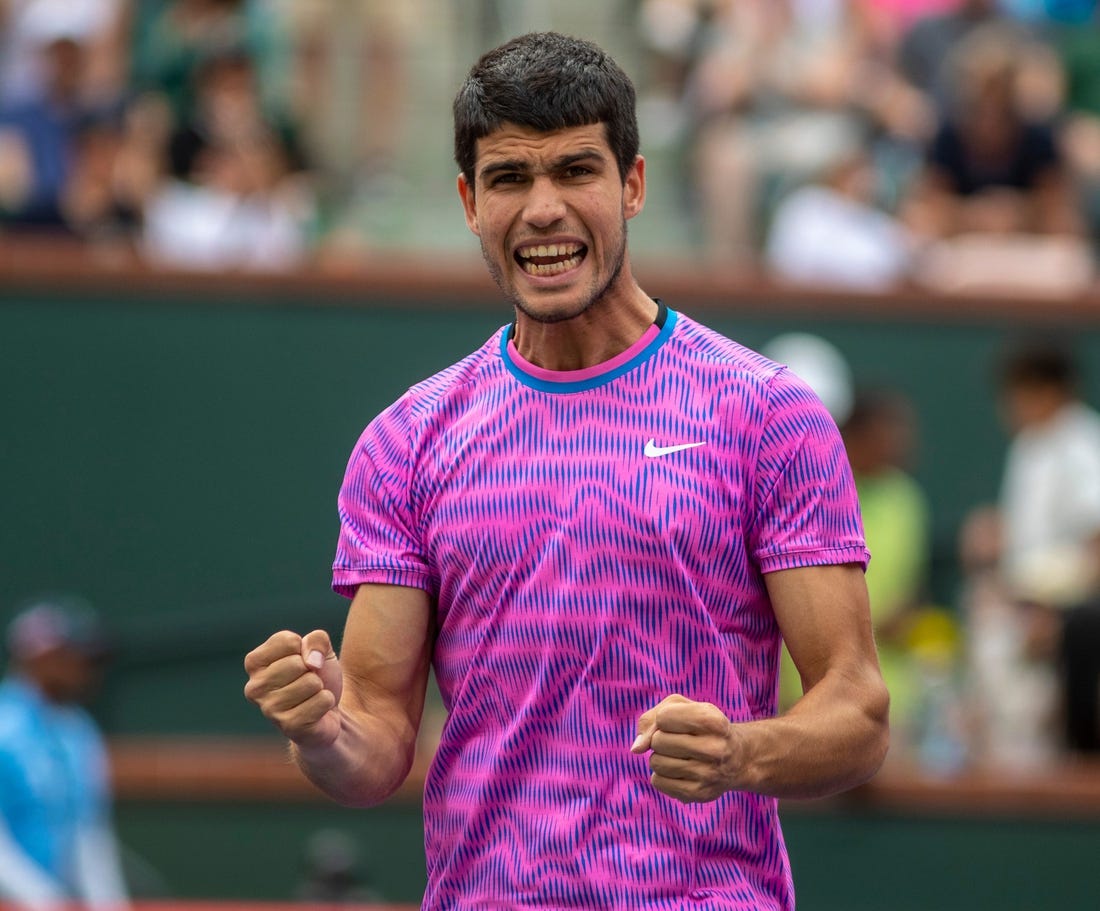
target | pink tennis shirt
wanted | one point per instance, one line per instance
(596, 541)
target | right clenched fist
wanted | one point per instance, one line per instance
(296, 682)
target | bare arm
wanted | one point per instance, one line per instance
(352, 721)
(834, 738)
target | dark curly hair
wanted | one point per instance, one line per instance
(545, 81)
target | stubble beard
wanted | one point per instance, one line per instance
(596, 294)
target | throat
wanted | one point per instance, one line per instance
(584, 342)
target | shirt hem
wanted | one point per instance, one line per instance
(795, 559)
(347, 581)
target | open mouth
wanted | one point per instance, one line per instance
(550, 259)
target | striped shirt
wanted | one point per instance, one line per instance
(596, 540)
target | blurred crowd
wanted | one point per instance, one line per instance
(865, 143)
(1001, 669)
(862, 143)
(947, 143)
(195, 132)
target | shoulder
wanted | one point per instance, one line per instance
(1080, 426)
(16, 710)
(706, 347)
(78, 727)
(761, 387)
(20, 724)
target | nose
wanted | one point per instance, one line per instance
(544, 204)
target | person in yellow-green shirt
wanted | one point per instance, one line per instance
(879, 436)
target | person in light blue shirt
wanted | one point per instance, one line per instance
(57, 843)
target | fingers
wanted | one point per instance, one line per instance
(280, 645)
(677, 714)
(290, 690)
(690, 748)
(649, 722)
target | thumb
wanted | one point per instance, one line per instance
(316, 647)
(320, 657)
(647, 725)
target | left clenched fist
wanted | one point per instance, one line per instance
(694, 749)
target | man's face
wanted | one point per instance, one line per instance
(67, 674)
(551, 212)
(1025, 405)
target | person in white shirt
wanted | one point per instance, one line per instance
(1050, 507)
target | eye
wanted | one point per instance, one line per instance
(577, 170)
(506, 177)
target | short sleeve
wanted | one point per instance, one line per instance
(805, 506)
(380, 540)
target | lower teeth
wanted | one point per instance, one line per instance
(550, 268)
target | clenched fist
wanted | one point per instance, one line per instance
(695, 749)
(296, 682)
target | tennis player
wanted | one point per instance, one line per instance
(595, 529)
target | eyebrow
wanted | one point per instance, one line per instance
(558, 164)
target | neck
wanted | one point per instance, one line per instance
(604, 330)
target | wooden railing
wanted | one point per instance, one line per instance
(451, 279)
(259, 769)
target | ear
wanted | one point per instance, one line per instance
(634, 189)
(469, 203)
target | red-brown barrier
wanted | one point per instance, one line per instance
(175, 768)
(216, 905)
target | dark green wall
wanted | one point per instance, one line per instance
(177, 460)
(842, 859)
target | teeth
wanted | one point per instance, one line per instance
(550, 250)
(553, 268)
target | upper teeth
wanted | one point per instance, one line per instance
(550, 250)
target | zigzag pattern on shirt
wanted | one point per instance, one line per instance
(578, 584)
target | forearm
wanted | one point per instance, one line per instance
(834, 738)
(368, 761)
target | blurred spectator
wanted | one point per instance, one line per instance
(227, 107)
(334, 873)
(56, 841)
(353, 94)
(932, 40)
(834, 232)
(1034, 565)
(349, 83)
(1012, 692)
(880, 437)
(172, 39)
(994, 195)
(891, 20)
(1051, 507)
(780, 91)
(120, 159)
(672, 35)
(28, 26)
(37, 137)
(1076, 36)
(767, 94)
(238, 197)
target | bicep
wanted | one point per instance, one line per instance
(824, 616)
(386, 648)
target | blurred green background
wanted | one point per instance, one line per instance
(175, 458)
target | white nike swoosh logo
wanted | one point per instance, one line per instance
(653, 451)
